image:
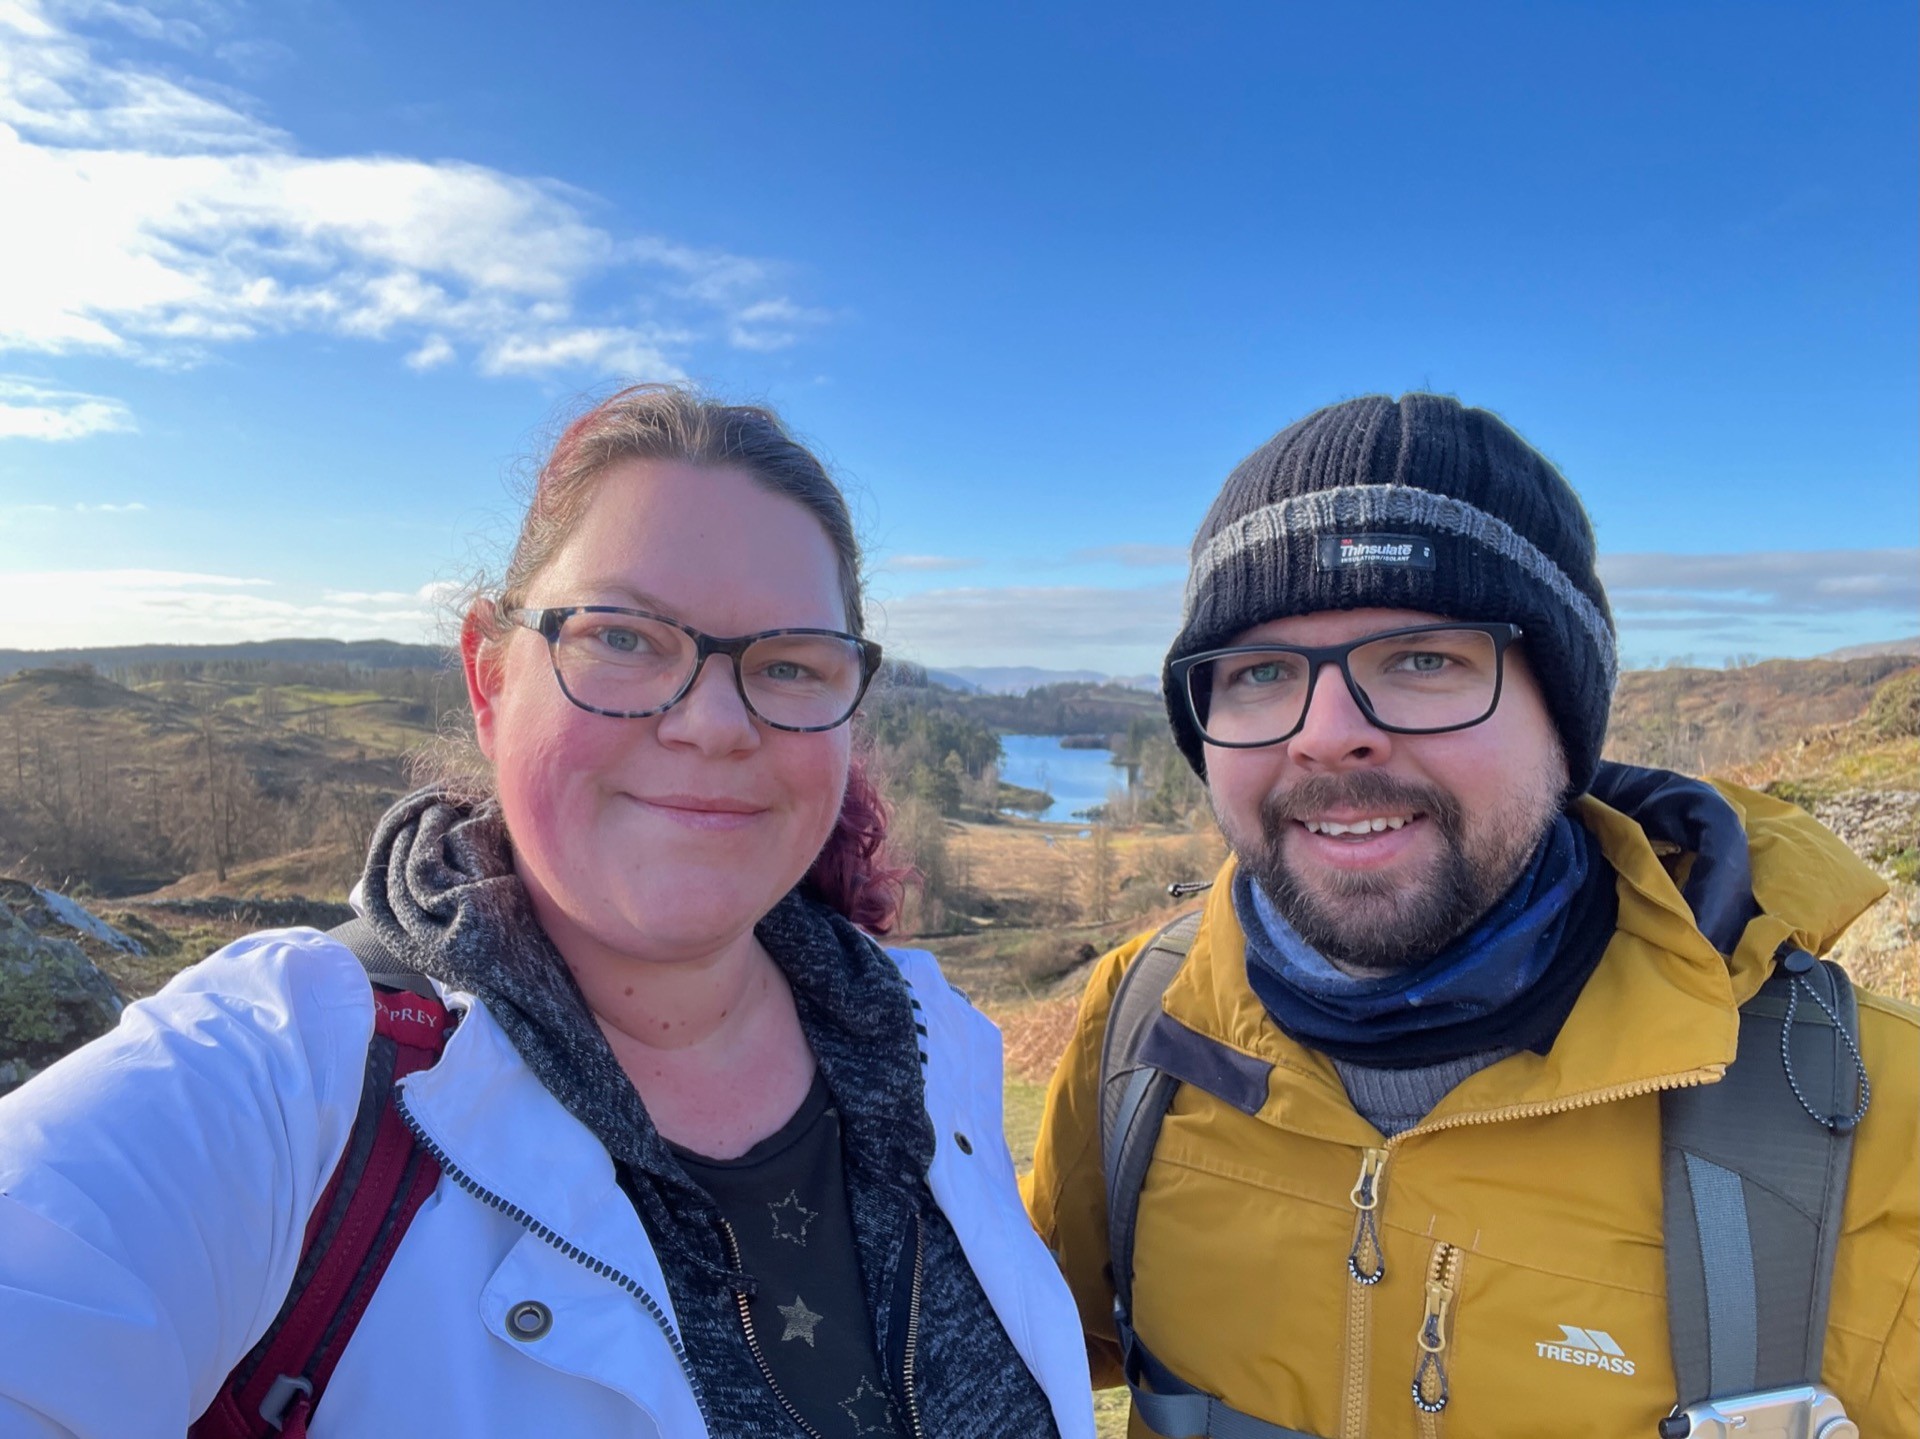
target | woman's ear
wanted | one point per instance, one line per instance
(480, 661)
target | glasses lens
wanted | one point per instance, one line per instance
(626, 664)
(802, 681)
(1433, 680)
(1249, 697)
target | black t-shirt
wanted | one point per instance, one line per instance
(786, 1202)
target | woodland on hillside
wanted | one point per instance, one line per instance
(214, 771)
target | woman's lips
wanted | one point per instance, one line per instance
(704, 812)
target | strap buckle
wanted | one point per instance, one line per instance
(1806, 1411)
(281, 1397)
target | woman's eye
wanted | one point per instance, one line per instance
(785, 672)
(625, 641)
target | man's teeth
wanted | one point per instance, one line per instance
(1358, 826)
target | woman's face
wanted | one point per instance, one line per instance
(666, 837)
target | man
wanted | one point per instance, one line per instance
(1445, 1005)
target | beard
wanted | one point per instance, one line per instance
(1378, 924)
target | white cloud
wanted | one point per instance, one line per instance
(433, 352)
(772, 324)
(112, 607)
(925, 564)
(132, 507)
(30, 410)
(1133, 556)
(1766, 585)
(166, 220)
(1118, 631)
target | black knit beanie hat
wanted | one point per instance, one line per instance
(1411, 504)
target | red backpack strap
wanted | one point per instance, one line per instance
(382, 1180)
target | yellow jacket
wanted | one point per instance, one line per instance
(1526, 1203)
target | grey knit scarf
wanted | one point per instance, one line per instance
(440, 890)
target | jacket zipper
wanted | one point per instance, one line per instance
(1684, 1079)
(1367, 1264)
(753, 1340)
(913, 1330)
(1430, 1390)
(557, 1241)
(1366, 1260)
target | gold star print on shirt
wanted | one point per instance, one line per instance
(869, 1409)
(791, 1218)
(800, 1320)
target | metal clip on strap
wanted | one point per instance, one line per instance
(1807, 1411)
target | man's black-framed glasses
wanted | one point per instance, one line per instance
(629, 664)
(1425, 679)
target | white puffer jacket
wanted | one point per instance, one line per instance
(155, 1187)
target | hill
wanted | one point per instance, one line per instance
(1908, 646)
(117, 788)
(361, 654)
(1702, 721)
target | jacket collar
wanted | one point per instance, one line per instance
(490, 1116)
(1660, 1011)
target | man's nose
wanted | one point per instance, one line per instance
(1336, 733)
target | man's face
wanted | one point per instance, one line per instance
(1463, 811)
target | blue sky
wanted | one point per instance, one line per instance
(290, 293)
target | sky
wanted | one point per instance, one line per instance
(292, 294)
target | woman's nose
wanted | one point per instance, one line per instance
(711, 716)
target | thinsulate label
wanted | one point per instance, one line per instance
(1392, 552)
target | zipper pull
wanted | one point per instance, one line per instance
(1430, 1375)
(1367, 1261)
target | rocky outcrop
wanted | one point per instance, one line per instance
(53, 997)
(1877, 825)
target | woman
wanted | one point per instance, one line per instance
(711, 1162)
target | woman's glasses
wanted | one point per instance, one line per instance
(629, 664)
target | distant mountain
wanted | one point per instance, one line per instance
(1907, 646)
(947, 679)
(367, 654)
(1018, 679)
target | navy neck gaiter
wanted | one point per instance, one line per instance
(1510, 981)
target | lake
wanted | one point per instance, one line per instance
(1078, 779)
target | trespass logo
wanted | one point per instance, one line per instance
(1588, 1348)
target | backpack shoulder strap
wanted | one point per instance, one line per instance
(1134, 1095)
(382, 965)
(383, 1178)
(1754, 1177)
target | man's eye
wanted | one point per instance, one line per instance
(1425, 662)
(1259, 675)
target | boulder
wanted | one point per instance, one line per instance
(53, 997)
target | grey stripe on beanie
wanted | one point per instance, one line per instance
(1351, 506)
